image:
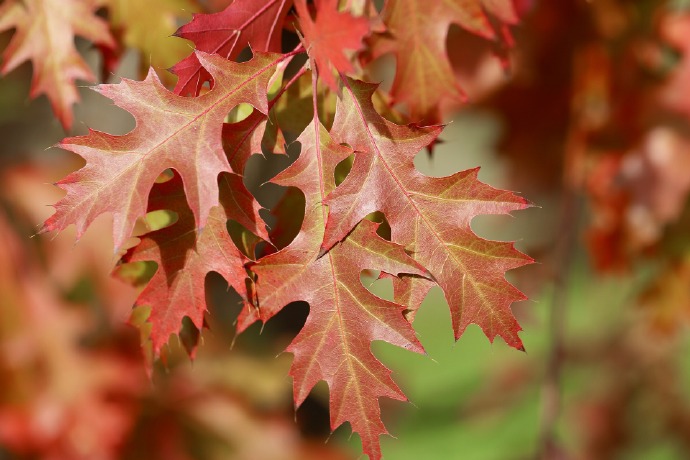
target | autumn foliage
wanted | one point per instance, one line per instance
(257, 83)
(430, 239)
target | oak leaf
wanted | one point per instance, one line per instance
(172, 132)
(329, 34)
(185, 256)
(45, 33)
(244, 22)
(430, 217)
(416, 34)
(334, 344)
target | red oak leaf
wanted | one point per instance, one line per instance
(45, 32)
(244, 22)
(417, 36)
(430, 217)
(185, 256)
(172, 132)
(329, 35)
(344, 317)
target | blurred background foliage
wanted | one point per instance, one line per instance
(591, 123)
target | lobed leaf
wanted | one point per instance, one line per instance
(344, 317)
(185, 255)
(329, 34)
(416, 34)
(171, 132)
(430, 217)
(45, 33)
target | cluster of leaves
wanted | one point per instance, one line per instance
(187, 158)
(596, 108)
